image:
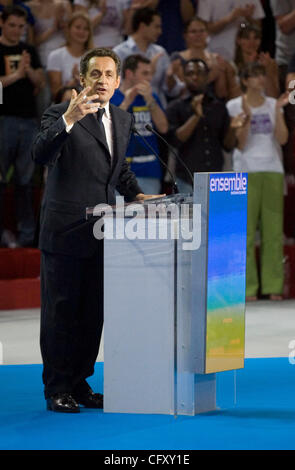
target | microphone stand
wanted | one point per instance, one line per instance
(174, 187)
(151, 129)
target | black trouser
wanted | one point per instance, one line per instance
(71, 319)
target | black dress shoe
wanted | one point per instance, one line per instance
(63, 403)
(89, 399)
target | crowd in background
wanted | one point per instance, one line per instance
(215, 78)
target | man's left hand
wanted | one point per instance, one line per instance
(144, 197)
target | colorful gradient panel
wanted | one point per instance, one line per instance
(226, 276)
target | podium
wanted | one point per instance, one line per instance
(174, 297)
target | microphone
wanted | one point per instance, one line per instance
(151, 129)
(175, 187)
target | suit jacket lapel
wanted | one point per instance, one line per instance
(89, 122)
(120, 134)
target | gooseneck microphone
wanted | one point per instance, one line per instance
(151, 129)
(174, 186)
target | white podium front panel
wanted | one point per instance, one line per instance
(139, 326)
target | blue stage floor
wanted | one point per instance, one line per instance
(261, 415)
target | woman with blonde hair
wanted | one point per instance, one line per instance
(63, 63)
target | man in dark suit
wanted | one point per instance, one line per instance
(85, 155)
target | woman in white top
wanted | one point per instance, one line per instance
(261, 133)
(106, 18)
(63, 63)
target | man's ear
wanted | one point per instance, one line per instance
(118, 81)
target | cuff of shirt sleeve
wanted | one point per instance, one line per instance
(68, 127)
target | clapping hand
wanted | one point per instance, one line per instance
(264, 59)
(249, 10)
(246, 11)
(130, 94)
(283, 100)
(221, 63)
(144, 88)
(197, 105)
(238, 121)
(24, 64)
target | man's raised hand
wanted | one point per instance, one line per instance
(80, 105)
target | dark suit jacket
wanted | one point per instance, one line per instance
(80, 175)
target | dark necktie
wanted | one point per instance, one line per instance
(100, 113)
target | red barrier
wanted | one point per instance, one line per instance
(19, 278)
(20, 282)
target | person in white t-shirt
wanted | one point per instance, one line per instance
(224, 17)
(63, 63)
(261, 133)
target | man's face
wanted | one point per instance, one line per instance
(13, 28)
(142, 73)
(102, 77)
(152, 31)
(196, 77)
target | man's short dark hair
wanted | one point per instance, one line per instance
(143, 15)
(13, 10)
(99, 52)
(131, 63)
